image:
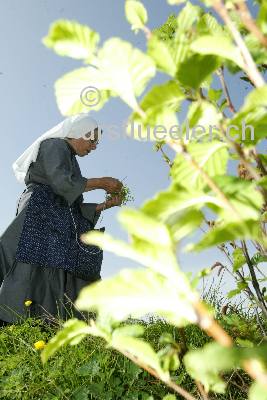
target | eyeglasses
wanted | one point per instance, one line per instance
(93, 141)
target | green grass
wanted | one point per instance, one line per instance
(90, 370)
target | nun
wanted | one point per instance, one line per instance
(43, 262)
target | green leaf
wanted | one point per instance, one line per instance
(182, 224)
(160, 105)
(257, 392)
(219, 46)
(69, 38)
(204, 120)
(72, 329)
(251, 119)
(205, 365)
(136, 14)
(211, 157)
(126, 69)
(129, 330)
(214, 94)
(72, 88)
(195, 69)
(163, 53)
(141, 350)
(80, 393)
(240, 287)
(244, 342)
(169, 397)
(229, 231)
(186, 18)
(208, 24)
(145, 227)
(156, 257)
(178, 198)
(91, 368)
(138, 292)
(258, 258)
(239, 259)
(243, 195)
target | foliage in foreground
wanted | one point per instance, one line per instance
(191, 49)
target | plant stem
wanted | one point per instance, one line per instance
(213, 329)
(225, 90)
(202, 390)
(182, 148)
(249, 64)
(249, 22)
(169, 382)
(255, 282)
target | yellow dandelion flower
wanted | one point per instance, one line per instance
(28, 303)
(39, 345)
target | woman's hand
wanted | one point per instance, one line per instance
(114, 201)
(111, 185)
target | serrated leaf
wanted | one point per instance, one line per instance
(211, 157)
(71, 88)
(69, 38)
(251, 119)
(208, 24)
(156, 257)
(182, 224)
(243, 195)
(258, 258)
(178, 198)
(186, 18)
(136, 14)
(163, 54)
(126, 69)
(196, 68)
(160, 105)
(138, 292)
(218, 46)
(229, 231)
(144, 227)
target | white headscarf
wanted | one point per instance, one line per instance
(75, 126)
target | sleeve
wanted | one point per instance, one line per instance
(60, 172)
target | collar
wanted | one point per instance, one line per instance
(71, 148)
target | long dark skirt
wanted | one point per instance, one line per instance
(52, 291)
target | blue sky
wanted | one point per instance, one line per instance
(28, 107)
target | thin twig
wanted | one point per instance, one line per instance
(255, 282)
(202, 390)
(249, 64)
(249, 22)
(213, 329)
(181, 148)
(151, 371)
(225, 90)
